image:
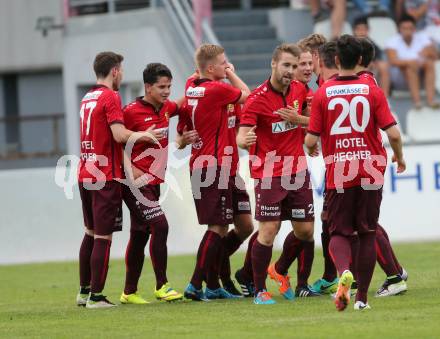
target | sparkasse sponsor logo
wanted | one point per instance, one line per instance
(195, 92)
(347, 90)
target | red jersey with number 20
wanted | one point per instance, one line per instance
(347, 113)
(101, 155)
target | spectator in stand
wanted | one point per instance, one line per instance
(383, 7)
(379, 65)
(338, 12)
(412, 53)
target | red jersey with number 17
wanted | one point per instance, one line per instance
(101, 155)
(347, 113)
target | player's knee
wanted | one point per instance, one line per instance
(244, 228)
(106, 237)
(89, 232)
(160, 225)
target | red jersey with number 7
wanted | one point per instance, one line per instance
(208, 104)
(347, 113)
(101, 155)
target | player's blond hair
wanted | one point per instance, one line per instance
(285, 48)
(206, 53)
(312, 42)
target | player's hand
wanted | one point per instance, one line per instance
(154, 134)
(189, 137)
(401, 164)
(250, 138)
(231, 67)
(289, 114)
(314, 152)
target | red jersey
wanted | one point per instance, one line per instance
(368, 77)
(309, 96)
(347, 113)
(150, 158)
(211, 110)
(101, 155)
(279, 147)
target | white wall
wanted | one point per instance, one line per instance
(39, 223)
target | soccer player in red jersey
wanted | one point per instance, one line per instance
(347, 114)
(328, 283)
(313, 42)
(395, 283)
(218, 192)
(305, 258)
(278, 165)
(151, 110)
(102, 132)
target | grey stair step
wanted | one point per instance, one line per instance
(240, 18)
(254, 76)
(251, 61)
(249, 46)
(244, 33)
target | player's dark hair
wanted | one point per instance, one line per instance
(327, 53)
(368, 52)
(104, 62)
(154, 71)
(406, 18)
(348, 50)
(360, 20)
(285, 48)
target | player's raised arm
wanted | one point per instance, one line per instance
(246, 136)
(238, 83)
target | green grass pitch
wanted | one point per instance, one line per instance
(39, 301)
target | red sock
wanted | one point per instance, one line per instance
(159, 251)
(230, 243)
(396, 262)
(99, 264)
(329, 267)
(85, 252)
(367, 261)
(305, 262)
(385, 253)
(354, 255)
(208, 248)
(292, 247)
(247, 271)
(134, 260)
(340, 250)
(261, 256)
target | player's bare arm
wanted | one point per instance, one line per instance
(122, 135)
(311, 142)
(235, 81)
(246, 137)
(395, 140)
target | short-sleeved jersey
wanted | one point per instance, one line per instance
(101, 155)
(347, 113)
(210, 109)
(309, 96)
(279, 147)
(148, 157)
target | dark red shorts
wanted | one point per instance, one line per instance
(143, 213)
(355, 210)
(102, 209)
(240, 197)
(217, 203)
(294, 201)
